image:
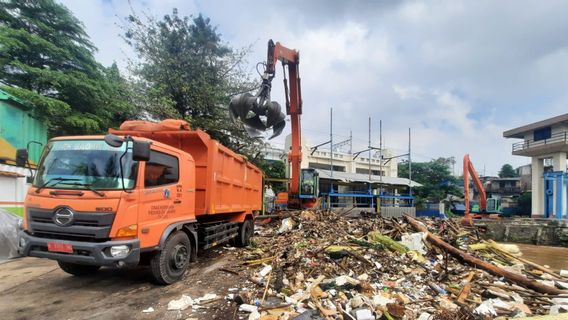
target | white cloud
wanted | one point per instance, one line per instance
(458, 73)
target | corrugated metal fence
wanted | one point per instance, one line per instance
(395, 212)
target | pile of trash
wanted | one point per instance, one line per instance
(323, 265)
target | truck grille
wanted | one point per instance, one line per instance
(85, 226)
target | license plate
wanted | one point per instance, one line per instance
(59, 247)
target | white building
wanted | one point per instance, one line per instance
(345, 162)
(546, 143)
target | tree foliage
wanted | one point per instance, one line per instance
(273, 169)
(184, 70)
(507, 171)
(435, 177)
(46, 57)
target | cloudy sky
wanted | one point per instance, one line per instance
(457, 73)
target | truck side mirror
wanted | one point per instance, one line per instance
(140, 150)
(21, 157)
(113, 141)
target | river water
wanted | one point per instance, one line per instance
(555, 257)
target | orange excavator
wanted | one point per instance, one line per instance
(258, 114)
(484, 211)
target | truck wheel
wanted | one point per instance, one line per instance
(169, 265)
(77, 269)
(245, 233)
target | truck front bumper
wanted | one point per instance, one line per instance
(89, 253)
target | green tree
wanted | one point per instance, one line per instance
(507, 171)
(525, 204)
(435, 177)
(273, 169)
(46, 57)
(185, 70)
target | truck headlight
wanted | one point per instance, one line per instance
(119, 251)
(22, 242)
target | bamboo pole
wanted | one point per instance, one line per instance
(517, 278)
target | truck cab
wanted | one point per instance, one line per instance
(118, 201)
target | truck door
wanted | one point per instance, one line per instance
(159, 203)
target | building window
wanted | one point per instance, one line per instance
(366, 171)
(323, 166)
(542, 133)
(160, 170)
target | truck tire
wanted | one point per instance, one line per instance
(245, 233)
(170, 264)
(77, 269)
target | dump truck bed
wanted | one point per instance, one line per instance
(225, 181)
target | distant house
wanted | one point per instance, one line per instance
(503, 186)
(18, 128)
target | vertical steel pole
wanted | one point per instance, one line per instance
(370, 152)
(331, 149)
(381, 173)
(409, 165)
(350, 141)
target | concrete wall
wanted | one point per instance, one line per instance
(13, 189)
(533, 231)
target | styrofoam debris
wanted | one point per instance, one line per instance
(180, 304)
(148, 310)
(254, 315)
(363, 277)
(379, 300)
(287, 225)
(209, 296)
(342, 280)
(414, 241)
(248, 308)
(486, 309)
(364, 314)
(266, 270)
(564, 273)
(556, 309)
(560, 300)
(425, 316)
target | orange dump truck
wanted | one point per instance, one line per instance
(148, 193)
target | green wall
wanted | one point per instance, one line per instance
(18, 127)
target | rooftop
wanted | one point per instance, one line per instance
(520, 131)
(362, 177)
(19, 102)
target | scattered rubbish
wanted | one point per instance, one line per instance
(414, 241)
(248, 308)
(325, 265)
(180, 304)
(287, 225)
(149, 310)
(207, 297)
(266, 270)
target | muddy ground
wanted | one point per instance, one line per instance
(32, 288)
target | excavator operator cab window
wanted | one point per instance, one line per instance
(161, 169)
(308, 183)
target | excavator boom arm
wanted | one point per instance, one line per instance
(468, 170)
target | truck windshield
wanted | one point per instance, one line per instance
(85, 164)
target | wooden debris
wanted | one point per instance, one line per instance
(517, 278)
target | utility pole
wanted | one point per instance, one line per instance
(381, 173)
(350, 141)
(369, 150)
(409, 165)
(331, 145)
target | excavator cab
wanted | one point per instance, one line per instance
(309, 184)
(493, 205)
